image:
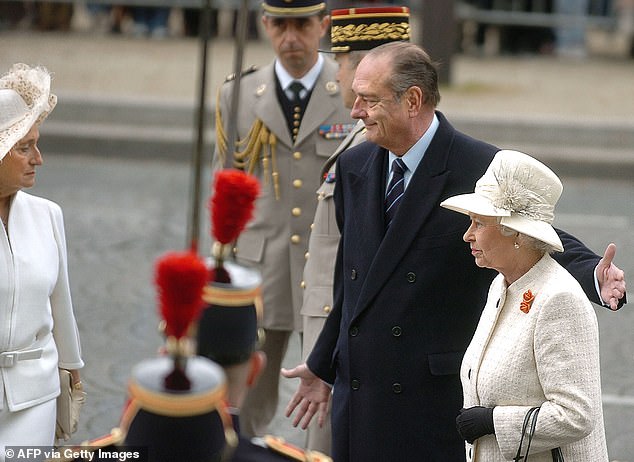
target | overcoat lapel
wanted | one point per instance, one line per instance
(422, 195)
(369, 185)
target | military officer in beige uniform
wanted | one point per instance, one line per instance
(354, 31)
(285, 133)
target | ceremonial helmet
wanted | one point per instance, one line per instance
(227, 331)
(176, 402)
(176, 425)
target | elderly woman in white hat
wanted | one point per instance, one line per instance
(38, 332)
(537, 342)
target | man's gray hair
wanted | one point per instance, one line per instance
(411, 66)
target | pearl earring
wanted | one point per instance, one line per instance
(516, 245)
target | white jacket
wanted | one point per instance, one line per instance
(548, 357)
(38, 332)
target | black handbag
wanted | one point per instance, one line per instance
(528, 430)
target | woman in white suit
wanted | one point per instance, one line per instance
(38, 332)
(537, 342)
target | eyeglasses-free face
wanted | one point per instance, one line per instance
(489, 246)
(17, 170)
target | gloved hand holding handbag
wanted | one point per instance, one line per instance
(474, 422)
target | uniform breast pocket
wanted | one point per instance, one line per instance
(326, 147)
(327, 189)
(325, 222)
(250, 247)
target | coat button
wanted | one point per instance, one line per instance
(297, 155)
(295, 239)
(296, 211)
(397, 331)
(302, 284)
(297, 183)
(411, 277)
(355, 384)
(397, 388)
(306, 255)
(353, 274)
(354, 331)
(327, 309)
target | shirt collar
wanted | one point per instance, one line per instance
(415, 154)
(308, 80)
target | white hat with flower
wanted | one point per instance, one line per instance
(25, 100)
(521, 191)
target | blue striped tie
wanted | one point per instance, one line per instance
(395, 190)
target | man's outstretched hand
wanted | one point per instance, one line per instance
(611, 279)
(311, 397)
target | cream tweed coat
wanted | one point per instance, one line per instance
(548, 357)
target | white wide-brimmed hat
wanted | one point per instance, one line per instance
(25, 99)
(519, 189)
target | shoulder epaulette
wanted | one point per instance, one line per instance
(279, 445)
(247, 71)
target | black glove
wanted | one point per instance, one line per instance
(475, 422)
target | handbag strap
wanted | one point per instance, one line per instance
(530, 423)
(557, 455)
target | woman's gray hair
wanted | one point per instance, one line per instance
(411, 66)
(528, 241)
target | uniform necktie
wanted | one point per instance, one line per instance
(395, 190)
(296, 87)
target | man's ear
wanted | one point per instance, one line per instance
(257, 363)
(414, 96)
(325, 25)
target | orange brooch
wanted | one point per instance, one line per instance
(528, 297)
